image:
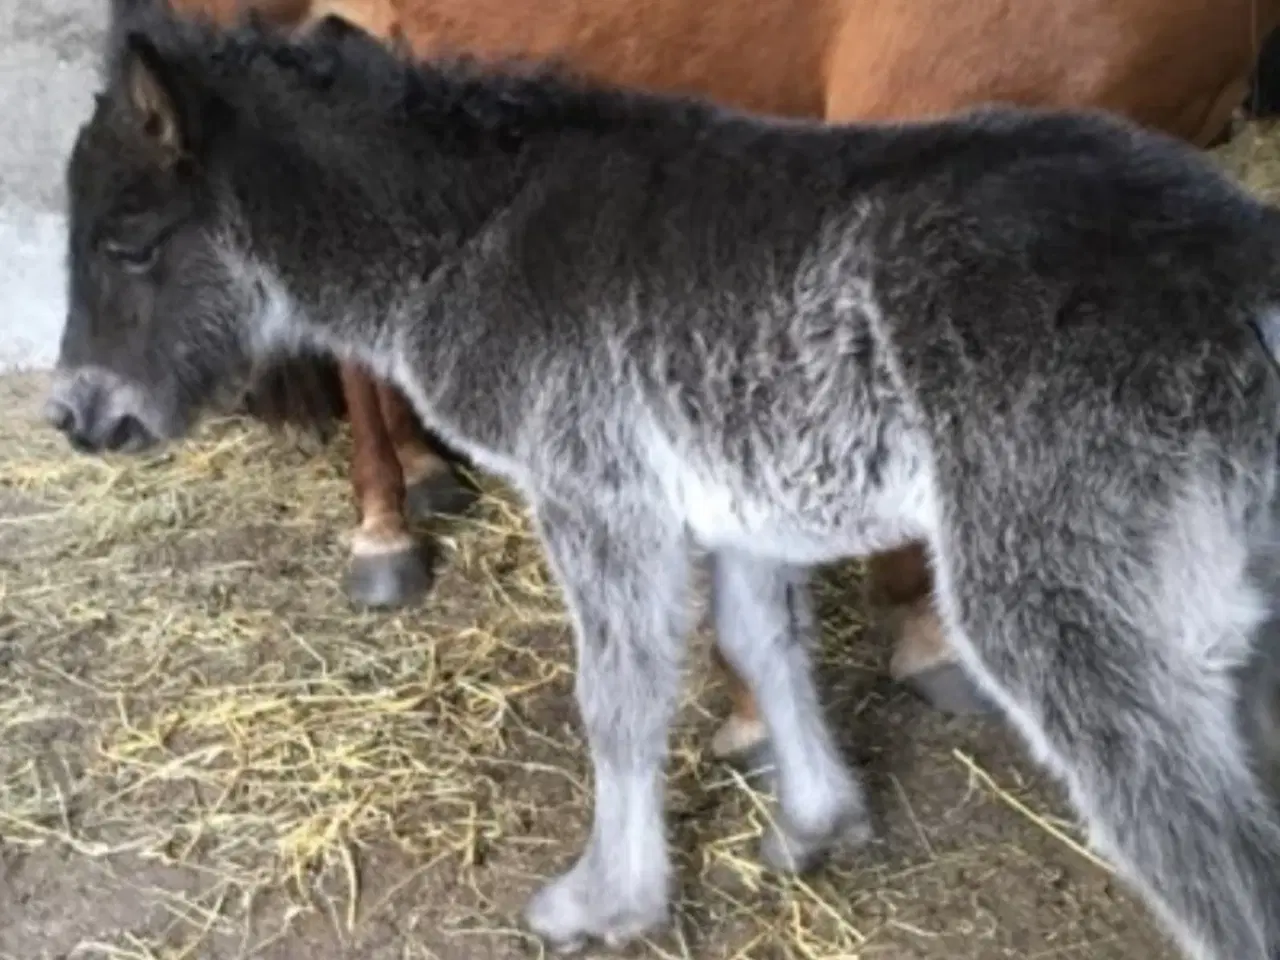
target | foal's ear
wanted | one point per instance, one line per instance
(337, 32)
(332, 28)
(150, 96)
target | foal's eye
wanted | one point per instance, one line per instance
(131, 258)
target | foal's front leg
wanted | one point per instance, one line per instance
(624, 576)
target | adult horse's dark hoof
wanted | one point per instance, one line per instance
(443, 493)
(925, 663)
(948, 688)
(382, 580)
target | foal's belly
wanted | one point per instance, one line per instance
(718, 518)
(856, 510)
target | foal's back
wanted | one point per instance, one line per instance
(813, 317)
(1177, 66)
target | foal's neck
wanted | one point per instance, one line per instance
(359, 219)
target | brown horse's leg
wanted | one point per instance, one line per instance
(1217, 126)
(386, 566)
(922, 658)
(743, 731)
(431, 484)
(899, 576)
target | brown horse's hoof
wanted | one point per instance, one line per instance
(924, 661)
(946, 687)
(754, 760)
(382, 580)
(443, 493)
(738, 737)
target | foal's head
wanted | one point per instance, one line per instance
(221, 166)
(166, 315)
(154, 321)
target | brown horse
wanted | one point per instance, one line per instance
(1182, 66)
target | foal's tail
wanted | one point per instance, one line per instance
(1259, 690)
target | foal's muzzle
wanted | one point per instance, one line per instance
(93, 411)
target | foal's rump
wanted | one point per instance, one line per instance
(1111, 612)
(1083, 353)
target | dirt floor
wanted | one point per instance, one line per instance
(206, 753)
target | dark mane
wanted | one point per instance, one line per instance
(509, 97)
(457, 97)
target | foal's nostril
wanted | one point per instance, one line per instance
(70, 421)
(127, 433)
(80, 443)
(59, 416)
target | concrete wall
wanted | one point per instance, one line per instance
(48, 62)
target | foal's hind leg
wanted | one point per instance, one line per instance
(387, 568)
(1112, 643)
(922, 660)
(624, 578)
(766, 628)
(431, 485)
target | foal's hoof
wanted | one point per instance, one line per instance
(576, 908)
(784, 849)
(382, 580)
(738, 737)
(442, 493)
(946, 687)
